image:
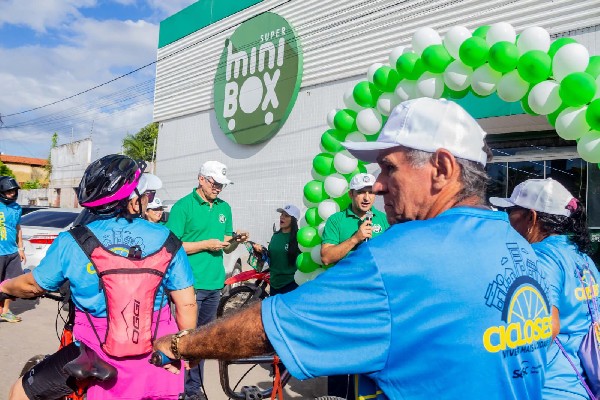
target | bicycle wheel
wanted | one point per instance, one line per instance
(237, 298)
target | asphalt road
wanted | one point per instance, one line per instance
(36, 334)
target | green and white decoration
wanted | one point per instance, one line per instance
(558, 79)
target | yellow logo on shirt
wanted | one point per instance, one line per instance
(2, 227)
(590, 290)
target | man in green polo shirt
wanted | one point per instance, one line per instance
(345, 231)
(203, 223)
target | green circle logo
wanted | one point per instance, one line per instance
(258, 79)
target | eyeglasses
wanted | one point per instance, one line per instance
(156, 209)
(150, 194)
(215, 185)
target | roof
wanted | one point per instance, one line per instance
(23, 160)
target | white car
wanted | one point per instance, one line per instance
(40, 228)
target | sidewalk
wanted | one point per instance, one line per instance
(36, 334)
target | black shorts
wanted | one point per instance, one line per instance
(47, 380)
(10, 266)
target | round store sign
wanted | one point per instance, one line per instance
(258, 79)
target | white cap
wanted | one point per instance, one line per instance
(543, 195)
(428, 125)
(156, 203)
(147, 182)
(215, 170)
(291, 210)
(360, 181)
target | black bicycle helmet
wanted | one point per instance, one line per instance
(108, 181)
(8, 183)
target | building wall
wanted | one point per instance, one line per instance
(68, 164)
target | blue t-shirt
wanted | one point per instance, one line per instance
(10, 217)
(560, 260)
(452, 307)
(65, 260)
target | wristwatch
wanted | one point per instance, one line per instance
(175, 342)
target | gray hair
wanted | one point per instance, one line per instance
(472, 174)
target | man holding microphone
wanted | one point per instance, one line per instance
(344, 232)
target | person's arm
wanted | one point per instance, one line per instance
(20, 244)
(205, 245)
(240, 237)
(237, 336)
(555, 322)
(332, 253)
(186, 309)
(23, 286)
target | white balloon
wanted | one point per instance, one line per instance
(349, 101)
(308, 204)
(355, 137)
(336, 185)
(386, 103)
(327, 208)
(572, 57)
(457, 76)
(344, 162)
(533, 38)
(396, 52)
(321, 228)
(316, 273)
(430, 85)
(315, 175)
(315, 254)
(302, 222)
(331, 116)
(485, 79)
(369, 121)
(454, 38)
(571, 123)
(511, 87)
(300, 277)
(406, 90)
(597, 95)
(304, 249)
(371, 71)
(500, 32)
(543, 98)
(424, 38)
(588, 147)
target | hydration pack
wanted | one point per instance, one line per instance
(130, 284)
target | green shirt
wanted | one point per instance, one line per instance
(282, 272)
(342, 225)
(192, 219)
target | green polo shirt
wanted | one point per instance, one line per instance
(192, 219)
(342, 225)
(282, 272)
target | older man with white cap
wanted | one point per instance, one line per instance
(440, 304)
(204, 224)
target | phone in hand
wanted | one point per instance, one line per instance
(234, 237)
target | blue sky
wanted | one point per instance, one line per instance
(53, 49)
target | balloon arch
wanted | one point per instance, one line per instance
(558, 79)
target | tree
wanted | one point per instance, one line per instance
(48, 166)
(141, 145)
(5, 171)
(32, 184)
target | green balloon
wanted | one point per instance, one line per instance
(323, 164)
(558, 43)
(481, 31)
(386, 79)
(314, 191)
(553, 115)
(594, 67)
(343, 201)
(436, 58)
(308, 236)
(474, 51)
(312, 217)
(305, 263)
(503, 56)
(410, 66)
(525, 105)
(331, 140)
(345, 120)
(592, 115)
(366, 94)
(534, 66)
(577, 89)
(453, 94)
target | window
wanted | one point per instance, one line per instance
(49, 219)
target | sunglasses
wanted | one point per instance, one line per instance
(215, 185)
(150, 194)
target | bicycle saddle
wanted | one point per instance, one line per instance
(89, 365)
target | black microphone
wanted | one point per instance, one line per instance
(368, 217)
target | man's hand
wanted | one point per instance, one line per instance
(164, 344)
(241, 236)
(365, 231)
(22, 255)
(215, 245)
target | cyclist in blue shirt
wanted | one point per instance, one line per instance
(554, 221)
(437, 306)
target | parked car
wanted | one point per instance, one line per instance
(40, 228)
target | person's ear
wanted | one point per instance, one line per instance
(445, 168)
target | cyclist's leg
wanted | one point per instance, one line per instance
(208, 302)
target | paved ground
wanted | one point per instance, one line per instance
(37, 334)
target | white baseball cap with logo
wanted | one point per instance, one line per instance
(543, 195)
(147, 182)
(215, 170)
(290, 210)
(428, 125)
(360, 181)
(154, 204)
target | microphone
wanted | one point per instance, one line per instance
(368, 217)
